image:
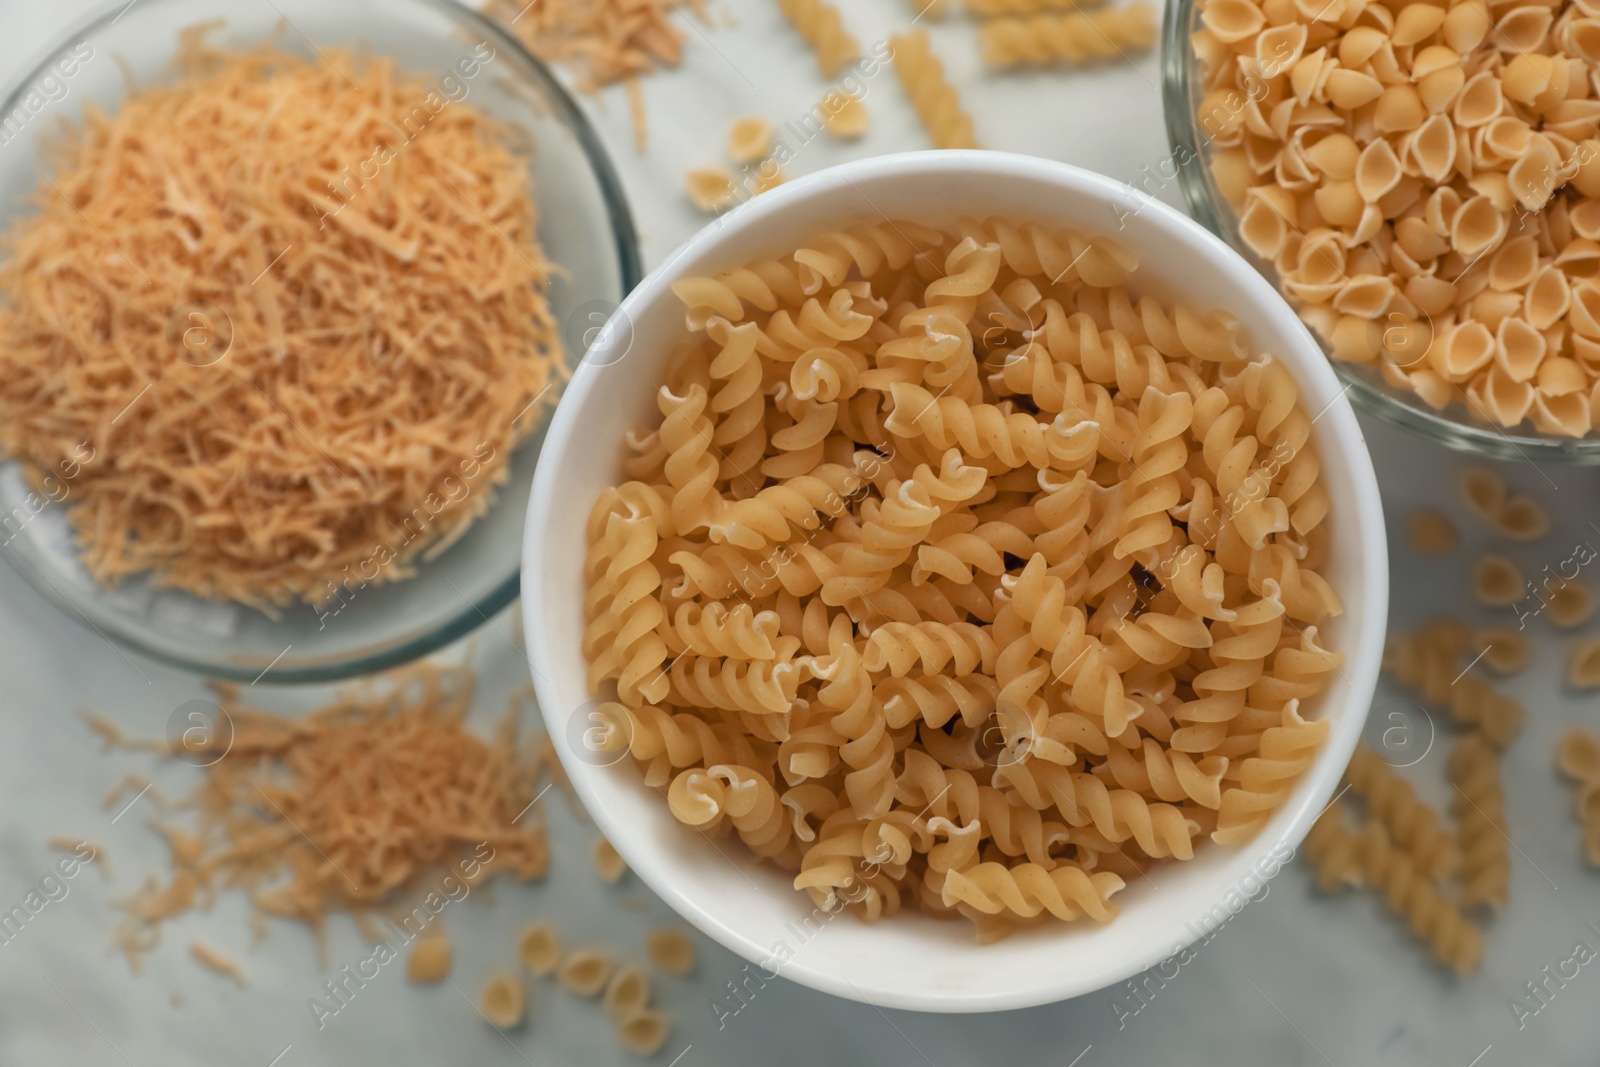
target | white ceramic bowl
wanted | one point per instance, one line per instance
(913, 961)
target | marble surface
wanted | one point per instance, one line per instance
(1294, 979)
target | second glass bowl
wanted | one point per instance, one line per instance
(1454, 426)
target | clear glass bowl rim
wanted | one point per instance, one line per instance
(1179, 80)
(476, 612)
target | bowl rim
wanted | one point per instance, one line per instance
(475, 612)
(1178, 96)
(1365, 635)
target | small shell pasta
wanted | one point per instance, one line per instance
(843, 115)
(749, 139)
(670, 950)
(1431, 532)
(627, 993)
(1484, 492)
(1583, 665)
(503, 1000)
(429, 959)
(607, 864)
(585, 972)
(1497, 580)
(539, 949)
(645, 1033)
(1571, 604)
(1522, 519)
(1506, 651)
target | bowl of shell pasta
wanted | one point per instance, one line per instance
(956, 582)
(1422, 182)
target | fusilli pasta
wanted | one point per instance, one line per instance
(937, 103)
(1079, 37)
(1002, 587)
(820, 24)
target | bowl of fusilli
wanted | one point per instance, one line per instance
(955, 540)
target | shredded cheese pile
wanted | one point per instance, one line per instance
(350, 808)
(297, 307)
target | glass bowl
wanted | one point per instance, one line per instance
(1455, 426)
(584, 226)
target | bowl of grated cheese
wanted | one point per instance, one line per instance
(286, 298)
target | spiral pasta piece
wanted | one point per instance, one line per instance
(937, 103)
(1413, 825)
(1027, 890)
(1479, 804)
(1435, 671)
(1411, 894)
(1079, 37)
(822, 27)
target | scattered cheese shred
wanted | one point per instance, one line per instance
(350, 808)
(210, 958)
(77, 846)
(297, 310)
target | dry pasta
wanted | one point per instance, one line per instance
(1080, 37)
(822, 27)
(1496, 580)
(1414, 825)
(1479, 805)
(937, 103)
(1578, 756)
(1522, 519)
(1484, 492)
(1431, 662)
(1368, 858)
(607, 864)
(645, 1033)
(503, 1000)
(749, 139)
(671, 951)
(1506, 651)
(585, 972)
(429, 959)
(213, 960)
(844, 116)
(1423, 178)
(1455, 940)
(712, 188)
(1571, 604)
(1431, 532)
(981, 621)
(1026, 7)
(1583, 664)
(627, 994)
(539, 949)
